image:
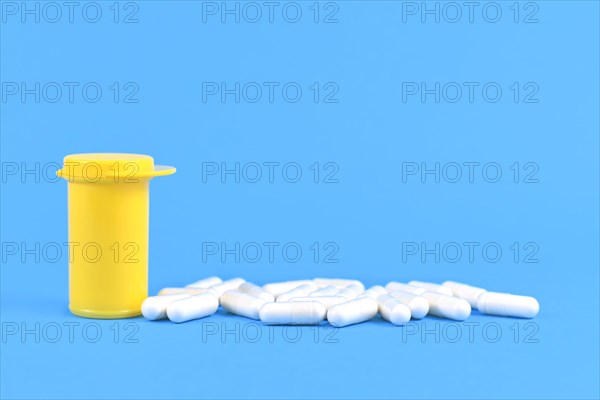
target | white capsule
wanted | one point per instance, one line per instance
(293, 313)
(279, 288)
(374, 292)
(206, 282)
(155, 307)
(256, 291)
(508, 305)
(193, 307)
(339, 283)
(176, 290)
(465, 292)
(325, 291)
(353, 312)
(351, 292)
(392, 310)
(432, 287)
(230, 284)
(405, 287)
(300, 291)
(327, 301)
(419, 306)
(241, 303)
(445, 306)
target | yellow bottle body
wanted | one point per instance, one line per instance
(108, 240)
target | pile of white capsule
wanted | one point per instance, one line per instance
(341, 302)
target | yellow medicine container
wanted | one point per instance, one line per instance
(108, 232)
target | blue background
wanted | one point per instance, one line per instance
(369, 133)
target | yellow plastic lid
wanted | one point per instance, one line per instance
(111, 167)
